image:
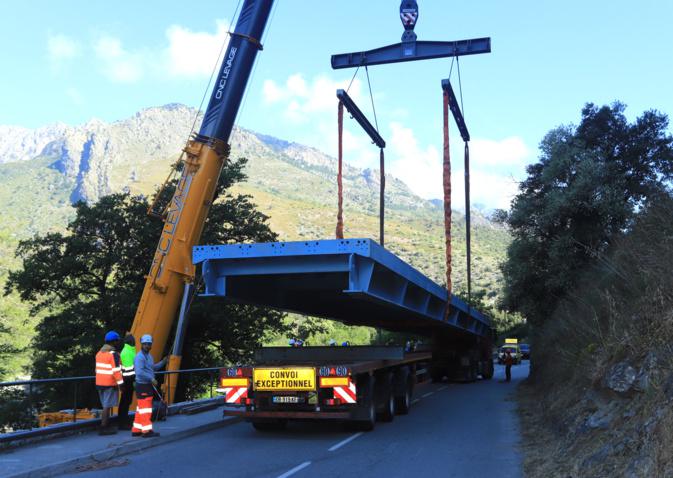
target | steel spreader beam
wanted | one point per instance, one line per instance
(359, 116)
(455, 109)
(354, 281)
(411, 51)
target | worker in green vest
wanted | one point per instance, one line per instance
(128, 354)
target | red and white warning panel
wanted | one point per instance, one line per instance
(235, 390)
(344, 388)
(347, 394)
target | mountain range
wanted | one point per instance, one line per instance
(43, 171)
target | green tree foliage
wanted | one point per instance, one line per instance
(90, 279)
(583, 193)
(504, 323)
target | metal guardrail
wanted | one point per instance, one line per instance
(31, 388)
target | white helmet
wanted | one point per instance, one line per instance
(146, 339)
(291, 342)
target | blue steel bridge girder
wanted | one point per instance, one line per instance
(355, 281)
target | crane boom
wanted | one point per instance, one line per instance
(205, 155)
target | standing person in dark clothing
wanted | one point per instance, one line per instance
(509, 360)
(145, 383)
(108, 379)
(128, 355)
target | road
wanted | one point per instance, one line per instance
(453, 430)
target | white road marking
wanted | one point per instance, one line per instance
(427, 394)
(295, 469)
(344, 442)
(415, 400)
(442, 388)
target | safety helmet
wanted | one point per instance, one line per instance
(291, 342)
(146, 339)
(111, 336)
(332, 342)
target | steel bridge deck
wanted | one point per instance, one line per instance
(354, 281)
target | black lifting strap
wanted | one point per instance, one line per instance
(382, 193)
(467, 223)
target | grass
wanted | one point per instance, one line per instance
(621, 312)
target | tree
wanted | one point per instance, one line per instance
(90, 280)
(588, 186)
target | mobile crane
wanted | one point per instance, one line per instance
(204, 157)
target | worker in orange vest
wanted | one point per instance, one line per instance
(108, 379)
(145, 387)
(509, 360)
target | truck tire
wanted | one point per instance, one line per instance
(365, 398)
(403, 403)
(268, 426)
(386, 397)
(388, 412)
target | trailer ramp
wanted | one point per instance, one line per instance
(354, 281)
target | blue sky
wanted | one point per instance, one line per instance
(72, 61)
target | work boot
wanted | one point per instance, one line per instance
(136, 434)
(151, 434)
(107, 431)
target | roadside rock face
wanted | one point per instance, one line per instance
(644, 377)
(621, 378)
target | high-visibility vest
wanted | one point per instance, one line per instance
(108, 369)
(127, 356)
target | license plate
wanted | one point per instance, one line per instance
(287, 399)
(296, 379)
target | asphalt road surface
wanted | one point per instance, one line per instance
(452, 430)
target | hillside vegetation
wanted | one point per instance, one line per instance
(589, 266)
(294, 185)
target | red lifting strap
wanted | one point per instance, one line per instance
(340, 191)
(447, 197)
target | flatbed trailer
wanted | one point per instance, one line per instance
(356, 384)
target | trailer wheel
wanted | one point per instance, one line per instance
(267, 426)
(366, 401)
(365, 425)
(388, 412)
(386, 397)
(403, 403)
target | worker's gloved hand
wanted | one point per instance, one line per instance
(154, 382)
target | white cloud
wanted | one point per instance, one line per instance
(491, 190)
(60, 47)
(187, 54)
(420, 168)
(505, 153)
(303, 100)
(119, 64)
(313, 105)
(193, 54)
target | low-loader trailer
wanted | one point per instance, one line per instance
(354, 281)
(356, 384)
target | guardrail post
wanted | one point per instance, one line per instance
(211, 382)
(30, 403)
(74, 408)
